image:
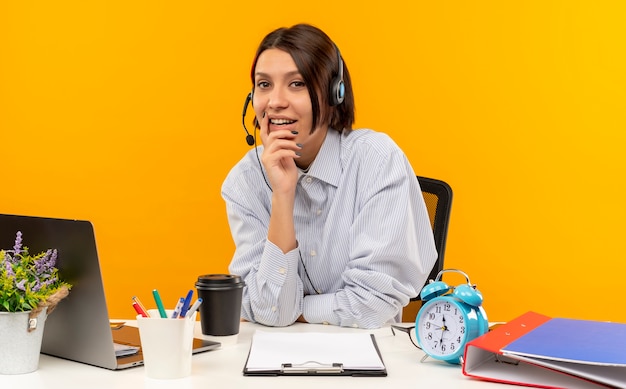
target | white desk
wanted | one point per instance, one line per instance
(222, 368)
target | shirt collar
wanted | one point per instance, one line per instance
(327, 164)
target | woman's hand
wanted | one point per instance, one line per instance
(279, 154)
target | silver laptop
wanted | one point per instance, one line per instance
(79, 328)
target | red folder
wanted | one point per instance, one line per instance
(539, 351)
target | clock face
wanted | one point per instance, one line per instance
(442, 328)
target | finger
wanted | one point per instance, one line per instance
(264, 127)
(275, 145)
(280, 154)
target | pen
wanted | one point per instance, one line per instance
(194, 307)
(138, 309)
(186, 304)
(178, 307)
(142, 310)
(159, 304)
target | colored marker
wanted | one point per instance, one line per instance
(139, 310)
(144, 311)
(194, 307)
(159, 304)
(186, 304)
(178, 307)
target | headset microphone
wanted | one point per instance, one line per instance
(249, 138)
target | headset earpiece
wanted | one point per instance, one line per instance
(337, 86)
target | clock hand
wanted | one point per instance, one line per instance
(435, 325)
(443, 329)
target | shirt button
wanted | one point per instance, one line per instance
(319, 212)
(281, 270)
(355, 325)
(274, 309)
(313, 253)
(325, 323)
(308, 180)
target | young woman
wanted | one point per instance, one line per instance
(329, 223)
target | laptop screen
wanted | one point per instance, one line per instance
(79, 327)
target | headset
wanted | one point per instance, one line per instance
(337, 95)
(337, 86)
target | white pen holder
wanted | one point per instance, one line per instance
(166, 344)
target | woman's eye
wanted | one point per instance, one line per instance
(263, 84)
(298, 84)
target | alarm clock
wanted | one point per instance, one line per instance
(449, 318)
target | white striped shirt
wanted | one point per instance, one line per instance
(362, 229)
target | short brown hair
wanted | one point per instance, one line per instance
(317, 60)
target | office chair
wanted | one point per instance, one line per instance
(438, 198)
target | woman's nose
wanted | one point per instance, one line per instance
(277, 99)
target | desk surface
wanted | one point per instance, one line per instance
(225, 365)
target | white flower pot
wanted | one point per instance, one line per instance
(19, 347)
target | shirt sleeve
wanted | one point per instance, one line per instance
(273, 292)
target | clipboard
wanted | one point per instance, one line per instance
(314, 354)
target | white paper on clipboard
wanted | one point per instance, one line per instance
(272, 350)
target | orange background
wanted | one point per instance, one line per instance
(127, 113)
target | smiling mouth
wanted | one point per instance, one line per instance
(281, 122)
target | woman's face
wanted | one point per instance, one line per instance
(280, 93)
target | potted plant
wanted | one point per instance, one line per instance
(30, 288)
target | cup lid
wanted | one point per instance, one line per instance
(219, 281)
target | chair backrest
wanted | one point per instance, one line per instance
(438, 198)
